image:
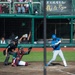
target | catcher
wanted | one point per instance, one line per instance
(16, 61)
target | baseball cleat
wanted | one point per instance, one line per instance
(46, 64)
(65, 66)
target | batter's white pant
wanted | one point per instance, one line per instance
(20, 63)
(55, 53)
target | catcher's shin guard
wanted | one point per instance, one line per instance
(16, 61)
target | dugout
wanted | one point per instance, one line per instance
(61, 23)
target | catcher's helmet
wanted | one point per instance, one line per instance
(20, 48)
(53, 36)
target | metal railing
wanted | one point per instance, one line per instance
(38, 5)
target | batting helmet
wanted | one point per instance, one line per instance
(53, 36)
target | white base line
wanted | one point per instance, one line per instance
(41, 69)
(60, 70)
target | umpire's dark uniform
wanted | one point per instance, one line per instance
(10, 50)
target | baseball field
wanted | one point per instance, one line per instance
(35, 60)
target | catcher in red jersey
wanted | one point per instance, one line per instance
(16, 61)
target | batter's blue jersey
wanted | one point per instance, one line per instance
(54, 45)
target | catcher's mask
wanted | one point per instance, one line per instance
(20, 48)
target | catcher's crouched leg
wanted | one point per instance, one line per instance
(22, 63)
(13, 63)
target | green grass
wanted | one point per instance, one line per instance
(38, 56)
(69, 56)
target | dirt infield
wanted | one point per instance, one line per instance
(36, 68)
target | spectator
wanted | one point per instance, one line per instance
(5, 8)
(3, 40)
(27, 6)
(25, 38)
(0, 8)
(2, 0)
(21, 7)
(9, 1)
(30, 0)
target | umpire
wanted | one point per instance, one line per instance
(10, 50)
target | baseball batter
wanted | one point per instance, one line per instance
(16, 61)
(55, 44)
